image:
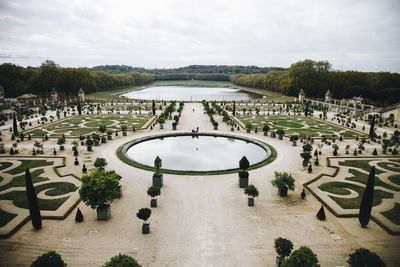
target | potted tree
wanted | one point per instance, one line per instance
(158, 176)
(283, 247)
(273, 134)
(89, 143)
(249, 126)
(98, 190)
(122, 260)
(280, 133)
(109, 134)
(123, 129)
(103, 129)
(96, 139)
(347, 149)
(174, 124)
(161, 121)
(283, 181)
(252, 192)
(61, 142)
(266, 129)
(335, 149)
(215, 125)
(243, 174)
(100, 163)
(294, 139)
(144, 214)
(153, 192)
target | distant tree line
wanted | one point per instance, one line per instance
(205, 69)
(316, 77)
(18, 80)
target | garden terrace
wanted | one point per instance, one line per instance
(57, 195)
(342, 192)
(87, 124)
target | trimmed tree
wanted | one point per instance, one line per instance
(121, 260)
(303, 257)
(153, 192)
(367, 199)
(79, 108)
(243, 175)
(15, 126)
(283, 181)
(362, 257)
(283, 247)
(144, 214)
(252, 192)
(33, 203)
(49, 259)
(153, 107)
(100, 163)
(371, 128)
(98, 190)
(234, 108)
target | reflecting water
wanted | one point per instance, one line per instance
(202, 153)
(186, 93)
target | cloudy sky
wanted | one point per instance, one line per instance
(352, 35)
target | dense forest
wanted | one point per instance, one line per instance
(315, 77)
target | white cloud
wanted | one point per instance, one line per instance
(362, 35)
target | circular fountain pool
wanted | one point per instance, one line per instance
(187, 152)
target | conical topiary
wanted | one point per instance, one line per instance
(33, 204)
(367, 199)
(78, 216)
(244, 163)
(321, 214)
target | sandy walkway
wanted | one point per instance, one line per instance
(201, 220)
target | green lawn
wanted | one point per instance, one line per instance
(19, 181)
(5, 217)
(29, 164)
(393, 214)
(362, 164)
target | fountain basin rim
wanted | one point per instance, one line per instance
(128, 145)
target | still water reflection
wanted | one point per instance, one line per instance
(201, 153)
(185, 93)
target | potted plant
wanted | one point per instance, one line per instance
(249, 126)
(174, 124)
(123, 129)
(144, 214)
(50, 258)
(252, 192)
(347, 149)
(103, 129)
(98, 190)
(158, 176)
(2, 150)
(280, 133)
(294, 139)
(100, 163)
(335, 149)
(61, 142)
(283, 247)
(215, 125)
(161, 121)
(89, 143)
(266, 129)
(122, 260)
(273, 134)
(283, 181)
(243, 174)
(109, 134)
(96, 139)
(153, 192)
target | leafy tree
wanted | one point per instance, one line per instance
(122, 260)
(251, 191)
(100, 163)
(367, 199)
(303, 257)
(362, 257)
(99, 188)
(283, 247)
(283, 179)
(34, 210)
(49, 259)
(153, 191)
(144, 214)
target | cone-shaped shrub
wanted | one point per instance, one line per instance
(367, 198)
(33, 204)
(321, 214)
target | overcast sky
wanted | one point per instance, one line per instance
(353, 35)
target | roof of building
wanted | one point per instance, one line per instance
(27, 96)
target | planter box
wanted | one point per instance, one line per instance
(161, 126)
(280, 137)
(294, 143)
(174, 127)
(119, 191)
(62, 148)
(153, 203)
(146, 228)
(248, 130)
(103, 140)
(282, 192)
(109, 137)
(103, 212)
(273, 135)
(89, 148)
(265, 133)
(250, 202)
(82, 143)
(215, 127)
(124, 134)
(232, 129)
(243, 179)
(158, 180)
(96, 143)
